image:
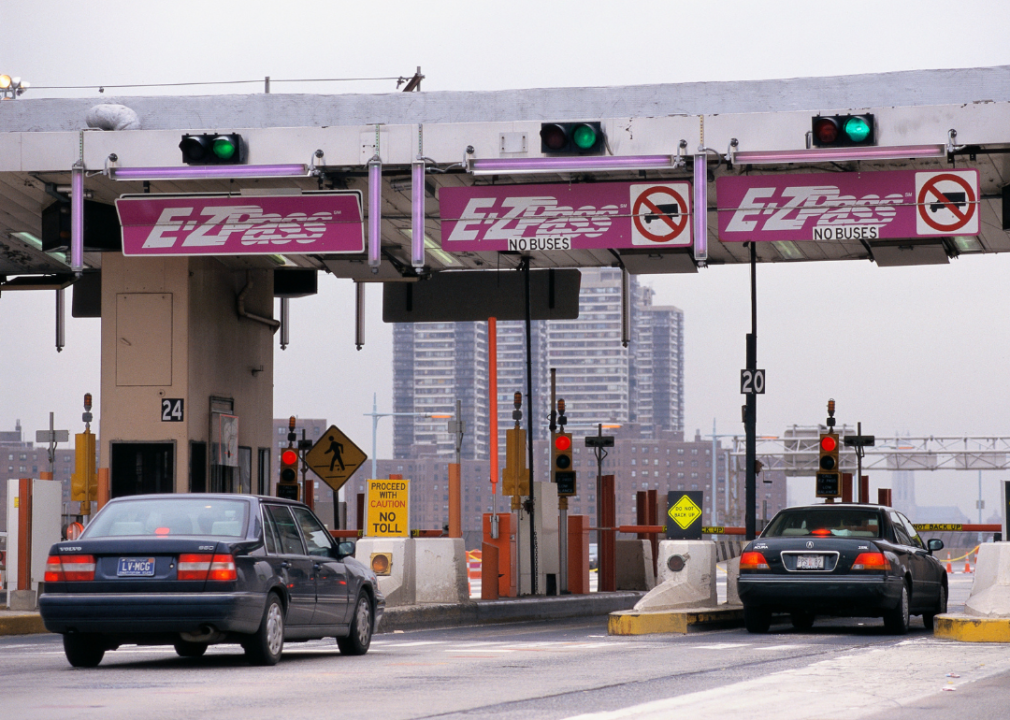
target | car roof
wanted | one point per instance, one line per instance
(208, 496)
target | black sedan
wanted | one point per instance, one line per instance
(195, 570)
(845, 560)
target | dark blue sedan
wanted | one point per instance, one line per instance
(196, 570)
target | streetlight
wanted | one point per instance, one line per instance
(11, 88)
(375, 415)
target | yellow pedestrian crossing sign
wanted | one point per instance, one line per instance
(334, 458)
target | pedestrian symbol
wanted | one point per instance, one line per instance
(334, 458)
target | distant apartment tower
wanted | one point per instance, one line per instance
(601, 381)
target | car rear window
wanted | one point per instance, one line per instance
(827, 522)
(172, 517)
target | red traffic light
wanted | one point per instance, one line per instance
(825, 130)
(289, 457)
(562, 442)
(828, 443)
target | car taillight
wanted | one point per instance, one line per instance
(206, 567)
(753, 561)
(222, 568)
(70, 568)
(871, 561)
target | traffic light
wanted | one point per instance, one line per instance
(287, 485)
(828, 476)
(561, 463)
(843, 131)
(213, 149)
(572, 138)
(84, 480)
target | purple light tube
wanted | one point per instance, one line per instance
(374, 213)
(417, 213)
(701, 206)
(521, 166)
(208, 172)
(839, 154)
(77, 218)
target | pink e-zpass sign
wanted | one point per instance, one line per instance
(216, 224)
(848, 206)
(522, 218)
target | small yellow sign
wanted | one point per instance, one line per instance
(935, 527)
(334, 458)
(388, 513)
(713, 530)
(684, 512)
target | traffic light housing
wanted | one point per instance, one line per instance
(572, 138)
(828, 466)
(562, 471)
(213, 149)
(830, 131)
(287, 484)
(84, 480)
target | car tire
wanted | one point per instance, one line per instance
(929, 619)
(756, 621)
(264, 647)
(896, 619)
(360, 637)
(187, 649)
(802, 620)
(83, 650)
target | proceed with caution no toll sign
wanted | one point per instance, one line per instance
(388, 513)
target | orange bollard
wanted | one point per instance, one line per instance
(950, 568)
(967, 565)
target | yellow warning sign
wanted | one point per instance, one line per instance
(388, 508)
(684, 512)
(334, 458)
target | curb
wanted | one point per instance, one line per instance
(966, 628)
(487, 612)
(29, 624)
(682, 621)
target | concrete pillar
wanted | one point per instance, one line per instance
(171, 330)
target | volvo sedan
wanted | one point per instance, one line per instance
(196, 570)
(846, 560)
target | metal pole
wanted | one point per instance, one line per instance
(715, 477)
(285, 323)
(529, 429)
(859, 460)
(61, 320)
(375, 423)
(750, 419)
(492, 353)
(359, 315)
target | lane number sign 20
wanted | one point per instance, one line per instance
(171, 409)
(752, 382)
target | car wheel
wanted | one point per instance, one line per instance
(896, 620)
(83, 650)
(360, 637)
(187, 649)
(264, 647)
(929, 619)
(756, 620)
(802, 620)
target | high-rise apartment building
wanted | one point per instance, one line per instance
(601, 380)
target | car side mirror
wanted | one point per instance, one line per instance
(344, 549)
(934, 544)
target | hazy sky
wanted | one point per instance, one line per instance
(916, 350)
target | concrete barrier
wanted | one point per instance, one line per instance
(399, 586)
(987, 610)
(686, 576)
(634, 565)
(440, 571)
(732, 582)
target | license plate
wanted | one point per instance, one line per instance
(135, 567)
(809, 562)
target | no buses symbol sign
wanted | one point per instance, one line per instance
(660, 215)
(947, 203)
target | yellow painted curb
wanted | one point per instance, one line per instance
(631, 622)
(22, 625)
(972, 629)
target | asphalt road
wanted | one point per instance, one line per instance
(560, 669)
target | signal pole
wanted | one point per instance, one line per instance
(750, 409)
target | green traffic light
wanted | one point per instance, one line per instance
(584, 137)
(224, 148)
(857, 129)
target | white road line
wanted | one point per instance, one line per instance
(857, 684)
(721, 646)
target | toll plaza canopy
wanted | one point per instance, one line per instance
(897, 168)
